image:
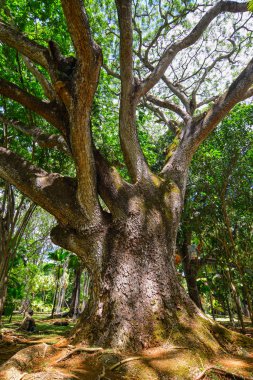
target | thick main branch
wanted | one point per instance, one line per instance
(133, 155)
(54, 193)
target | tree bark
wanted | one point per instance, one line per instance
(136, 297)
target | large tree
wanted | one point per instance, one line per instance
(125, 230)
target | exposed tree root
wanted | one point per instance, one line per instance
(84, 349)
(112, 368)
(220, 371)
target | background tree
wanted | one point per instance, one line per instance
(218, 207)
(123, 225)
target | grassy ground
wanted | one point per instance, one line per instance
(44, 326)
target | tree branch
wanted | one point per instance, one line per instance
(110, 71)
(49, 111)
(133, 155)
(171, 52)
(43, 139)
(31, 49)
(168, 105)
(47, 87)
(197, 130)
(54, 193)
(179, 93)
(79, 29)
(171, 124)
(85, 80)
(239, 90)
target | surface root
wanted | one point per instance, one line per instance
(219, 371)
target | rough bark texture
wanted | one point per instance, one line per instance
(137, 296)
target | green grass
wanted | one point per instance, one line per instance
(44, 327)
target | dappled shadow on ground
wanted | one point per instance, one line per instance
(153, 364)
(64, 362)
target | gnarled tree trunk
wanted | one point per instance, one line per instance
(137, 298)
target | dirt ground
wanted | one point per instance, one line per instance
(64, 361)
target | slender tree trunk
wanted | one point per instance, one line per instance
(75, 298)
(56, 292)
(62, 288)
(191, 272)
(237, 301)
(211, 305)
(4, 266)
(230, 313)
(249, 301)
(86, 290)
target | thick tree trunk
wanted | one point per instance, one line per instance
(136, 298)
(137, 301)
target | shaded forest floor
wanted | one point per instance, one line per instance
(64, 361)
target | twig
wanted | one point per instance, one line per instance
(222, 372)
(112, 368)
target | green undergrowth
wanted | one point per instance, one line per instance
(44, 327)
